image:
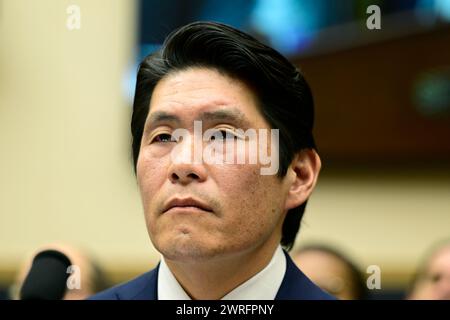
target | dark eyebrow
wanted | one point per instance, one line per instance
(232, 115)
(157, 117)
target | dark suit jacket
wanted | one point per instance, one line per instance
(295, 286)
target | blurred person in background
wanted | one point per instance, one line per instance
(332, 271)
(432, 280)
(92, 277)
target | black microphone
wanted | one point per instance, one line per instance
(47, 277)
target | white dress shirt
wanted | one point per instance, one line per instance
(262, 286)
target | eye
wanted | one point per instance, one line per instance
(223, 135)
(163, 138)
(435, 278)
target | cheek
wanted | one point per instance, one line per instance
(251, 200)
(247, 182)
(151, 174)
(238, 181)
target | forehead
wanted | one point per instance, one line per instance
(192, 92)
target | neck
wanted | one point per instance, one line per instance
(213, 279)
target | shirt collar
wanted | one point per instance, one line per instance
(262, 286)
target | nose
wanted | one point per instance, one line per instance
(186, 168)
(186, 173)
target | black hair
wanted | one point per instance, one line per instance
(284, 97)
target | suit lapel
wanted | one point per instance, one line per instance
(144, 287)
(296, 286)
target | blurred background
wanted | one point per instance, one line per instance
(382, 125)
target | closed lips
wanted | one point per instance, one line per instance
(187, 202)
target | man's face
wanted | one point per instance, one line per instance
(217, 210)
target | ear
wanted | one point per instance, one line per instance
(302, 177)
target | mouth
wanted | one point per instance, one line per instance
(186, 204)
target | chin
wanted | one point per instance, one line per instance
(185, 248)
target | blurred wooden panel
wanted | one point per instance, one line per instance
(364, 101)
